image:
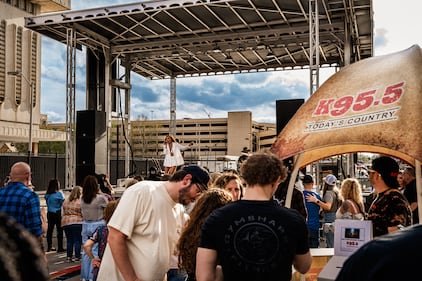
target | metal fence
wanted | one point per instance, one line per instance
(46, 167)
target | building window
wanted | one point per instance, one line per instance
(18, 92)
(2, 60)
(33, 59)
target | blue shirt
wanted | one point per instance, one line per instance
(313, 210)
(54, 201)
(23, 204)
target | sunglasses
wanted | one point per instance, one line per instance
(200, 187)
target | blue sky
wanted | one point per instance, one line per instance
(196, 97)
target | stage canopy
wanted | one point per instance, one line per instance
(174, 38)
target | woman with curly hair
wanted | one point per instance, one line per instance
(210, 200)
(352, 206)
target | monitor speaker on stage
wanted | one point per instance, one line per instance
(285, 109)
(90, 124)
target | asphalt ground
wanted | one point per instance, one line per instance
(60, 269)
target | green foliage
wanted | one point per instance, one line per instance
(52, 147)
(21, 147)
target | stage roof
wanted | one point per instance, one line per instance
(162, 39)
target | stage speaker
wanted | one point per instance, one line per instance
(82, 171)
(285, 109)
(90, 124)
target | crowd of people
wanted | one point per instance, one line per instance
(194, 225)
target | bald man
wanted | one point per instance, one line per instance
(21, 202)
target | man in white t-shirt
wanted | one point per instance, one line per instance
(146, 225)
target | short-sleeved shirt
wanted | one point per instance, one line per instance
(94, 211)
(412, 196)
(54, 201)
(23, 204)
(152, 222)
(313, 210)
(255, 240)
(389, 208)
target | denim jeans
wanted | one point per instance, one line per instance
(73, 239)
(313, 238)
(175, 274)
(329, 218)
(88, 228)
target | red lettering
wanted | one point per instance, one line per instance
(342, 105)
(364, 100)
(393, 93)
(323, 107)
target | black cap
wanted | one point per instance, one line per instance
(199, 175)
(388, 168)
(308, 179)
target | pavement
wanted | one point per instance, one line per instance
(60, 269)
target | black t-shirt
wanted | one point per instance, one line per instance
(392, 257)
(255, 240)
(412, 196)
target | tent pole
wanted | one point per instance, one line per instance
(292, 181)
(419, 187)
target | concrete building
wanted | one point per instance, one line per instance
(212, 137)
(20, 72)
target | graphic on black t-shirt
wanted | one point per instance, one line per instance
(254, 245)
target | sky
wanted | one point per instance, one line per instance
(213, 96)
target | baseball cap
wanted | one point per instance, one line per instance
(330, 179)
(388, 168)
(199, 175)
(308, 179)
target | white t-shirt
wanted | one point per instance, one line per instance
(152, 222)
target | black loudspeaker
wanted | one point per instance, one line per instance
(90, 124)
(285, 109)
(82, 171)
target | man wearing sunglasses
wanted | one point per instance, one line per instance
(146, 225)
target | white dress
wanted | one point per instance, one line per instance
(177, 158)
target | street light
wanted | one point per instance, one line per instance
(31, 86)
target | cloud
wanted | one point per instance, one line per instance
(381, 38)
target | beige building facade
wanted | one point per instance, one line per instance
(212, 137)
(20, 72)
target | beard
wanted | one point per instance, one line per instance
(184, 197)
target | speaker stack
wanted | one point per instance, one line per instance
(90, 124)
(285, 109)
